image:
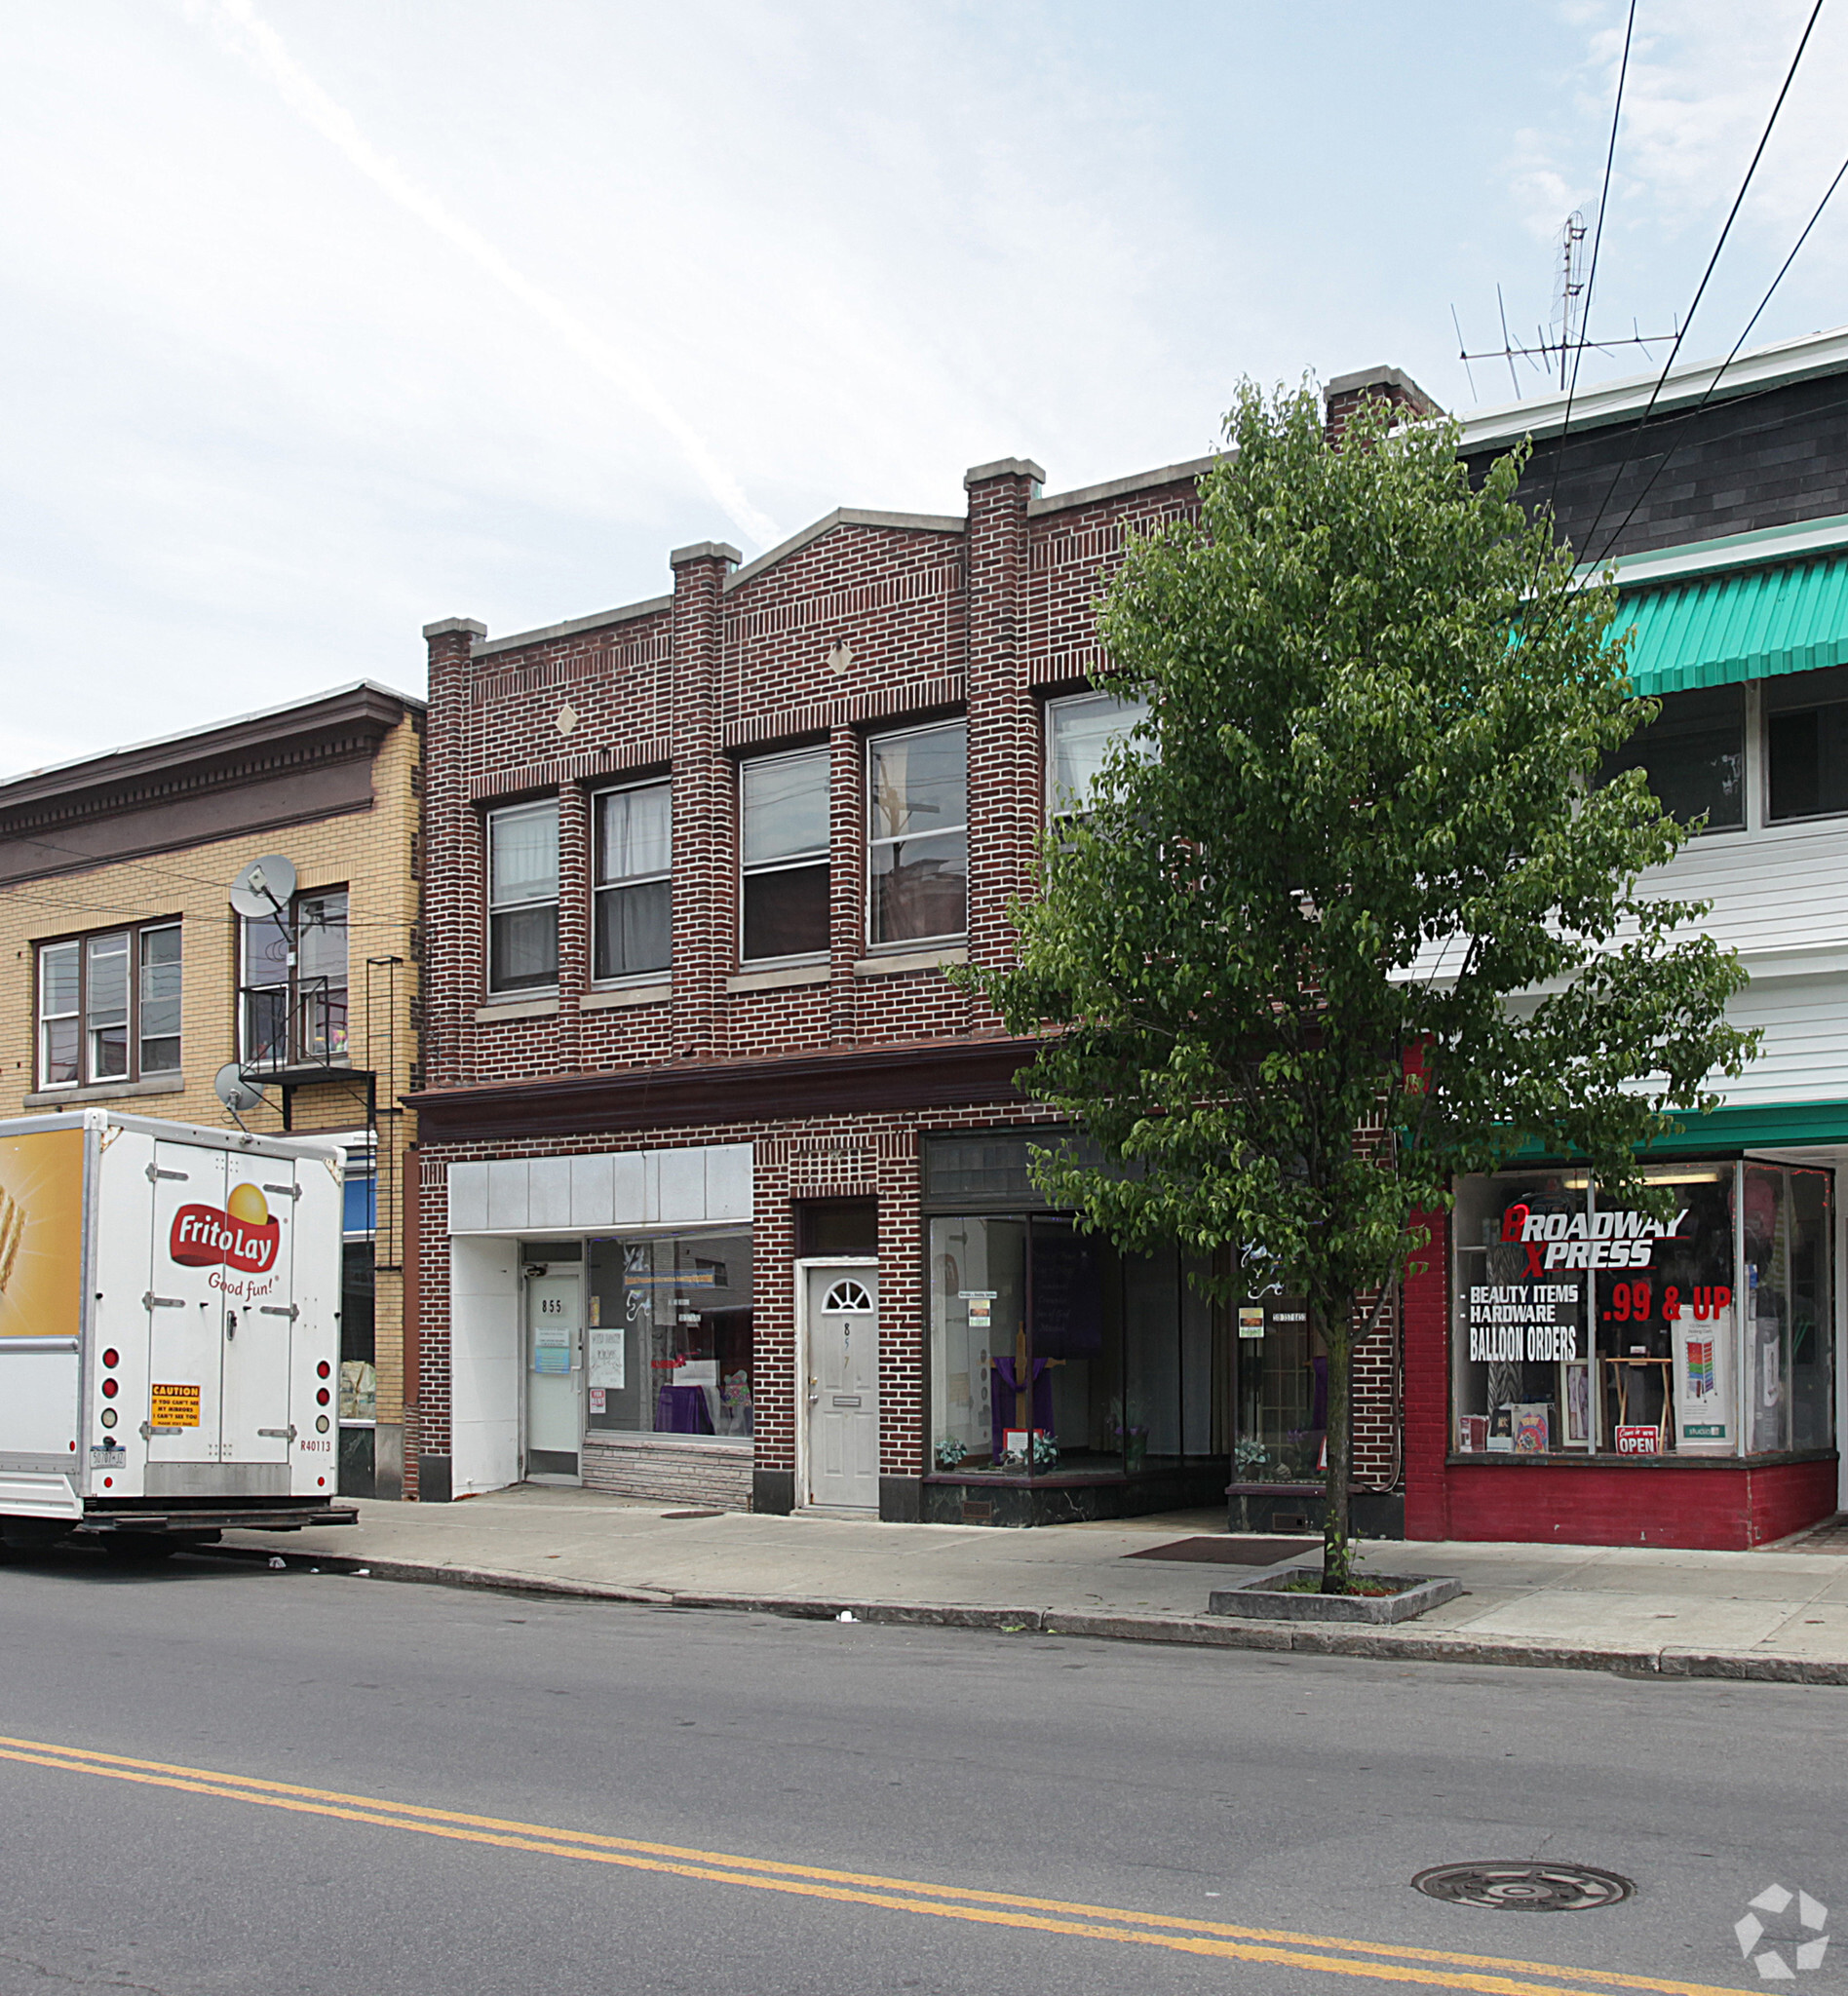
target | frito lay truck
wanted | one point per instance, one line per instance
(169, 1330)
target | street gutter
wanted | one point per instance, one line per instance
(1378, 1644)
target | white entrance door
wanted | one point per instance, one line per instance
(843, 1385)
(555, 1373)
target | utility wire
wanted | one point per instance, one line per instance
(1598, 237)
(1764, 138)
(1688, 415)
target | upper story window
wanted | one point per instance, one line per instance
(293, 987)
(633, 890)
(1080, 732)
(108, 1006)
(1695, 756)
(917, 833)
(522, 898)
(782, 842)
(1806, 744)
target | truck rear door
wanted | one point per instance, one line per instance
(185, 1307)
(259, 1309)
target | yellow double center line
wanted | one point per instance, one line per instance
(1371, 1961)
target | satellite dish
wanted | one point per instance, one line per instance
(264, 888)
(233, 1089)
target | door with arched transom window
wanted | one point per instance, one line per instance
(842, 1385)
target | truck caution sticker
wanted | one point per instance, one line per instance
(173, 1406)
(240, 1235)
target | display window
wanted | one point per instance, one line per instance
(1050, 1351)
(1283, 1391)
(668, 1336)
(1582, 1325)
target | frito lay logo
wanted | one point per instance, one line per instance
(241, 1236)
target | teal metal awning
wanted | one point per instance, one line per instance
(1755, 624)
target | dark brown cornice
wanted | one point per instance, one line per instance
(943, 1075)
(357, 715)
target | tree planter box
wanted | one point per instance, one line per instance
(1261, 1601)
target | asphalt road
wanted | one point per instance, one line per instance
(620, 1799)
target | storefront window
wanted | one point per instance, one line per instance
(1283, 1391)
(1051, 1353)
(1582, 1325)
(668, 1345)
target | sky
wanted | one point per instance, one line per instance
(322, 319)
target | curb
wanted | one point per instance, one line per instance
(1377, 1644)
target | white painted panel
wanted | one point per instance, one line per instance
(729, 1181)
(548, 1193)
(1804, 1055)
(629, 1188)
(507, 1193)
(651, 1187)
(683, 1186)
(484, 1365)
(593, 1195)
(468, 1197)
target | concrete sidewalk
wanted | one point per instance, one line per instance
(1779, 1614)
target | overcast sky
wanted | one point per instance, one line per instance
(322, 319)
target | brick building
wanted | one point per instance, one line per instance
(724, 1186)
(125, 975)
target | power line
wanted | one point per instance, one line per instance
(1598, 238)
(1764, 138)
(1688, 415)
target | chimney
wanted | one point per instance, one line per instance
(1343, 397)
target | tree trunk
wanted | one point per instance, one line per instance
(1337, 1332)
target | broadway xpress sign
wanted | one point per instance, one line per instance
(240, 1234)
(1614, 1238)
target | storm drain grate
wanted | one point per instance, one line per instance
(1525, 1888)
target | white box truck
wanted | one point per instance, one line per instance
(169, 1330)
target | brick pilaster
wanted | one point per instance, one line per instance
(574, 916)
(1004, 784)
(704, 816)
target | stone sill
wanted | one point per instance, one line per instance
(778, 979)
(520, 1008)
(625, 994)
(107, 1091)
(911, 960)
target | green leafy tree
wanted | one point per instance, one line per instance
(1343, 917)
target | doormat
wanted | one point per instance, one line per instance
(1229, 1551)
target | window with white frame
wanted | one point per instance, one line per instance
(108, 1006)
(632, 891)
(1080, 732)
(293, 984)
(522, 898)
(918, 835)
(783, 843)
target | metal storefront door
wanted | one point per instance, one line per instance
(555, 1338)
(843, 1387)
(185, 1314)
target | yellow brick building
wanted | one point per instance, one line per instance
(125, 975)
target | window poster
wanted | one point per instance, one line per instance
(608, 1357)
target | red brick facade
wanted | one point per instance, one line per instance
(863, 623)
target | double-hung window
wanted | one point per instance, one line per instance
(1806, 744)
(1080, 732)
(522, 898)
(295, 984)
(108, 1006)
(918, 835)
(1693, 755)
(783, 840)
(633, 889)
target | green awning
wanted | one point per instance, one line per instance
(1759, 1126)
(1750, 624)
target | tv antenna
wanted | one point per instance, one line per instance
(1555, 345)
